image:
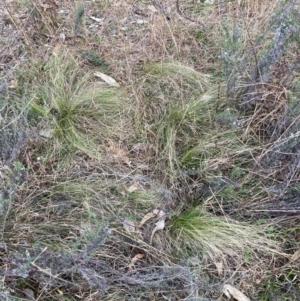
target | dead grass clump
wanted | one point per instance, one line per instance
(68, 214)
(267, 100)
(96, 275)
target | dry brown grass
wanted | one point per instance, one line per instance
(62, 205)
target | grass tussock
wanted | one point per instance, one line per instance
(78, 110)
(177, 110)
(215, 236)
(181, 181)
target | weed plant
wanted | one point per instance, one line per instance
(213, 145)
(181, 109)
(215, 235)
(79, 111)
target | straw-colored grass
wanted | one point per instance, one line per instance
(204, 127)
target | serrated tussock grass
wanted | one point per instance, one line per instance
(179, 106)
(199, 156)
(79, 111)
(214, 235)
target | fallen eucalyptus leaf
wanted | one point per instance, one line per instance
(109, 80)
(160, 213)
(134, 260)
(159, 226)
(140, 21)
(146, 218)
(96, 19)
(295, 256)
(231, 292)
(152, 8)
